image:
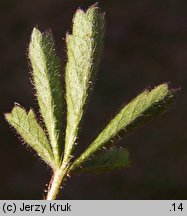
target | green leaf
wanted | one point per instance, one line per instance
(144, 107)
(84, 50)
(47, 81)
(112, 159)
(31, 132)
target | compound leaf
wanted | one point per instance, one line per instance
(28, 128)
(47, 81)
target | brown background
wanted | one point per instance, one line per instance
(145, 44)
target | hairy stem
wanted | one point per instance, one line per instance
(56, 181)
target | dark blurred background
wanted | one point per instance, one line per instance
(145, 45)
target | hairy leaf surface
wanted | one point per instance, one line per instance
(47, 81)
(28, 128)
(84, 47)
(138, 111)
